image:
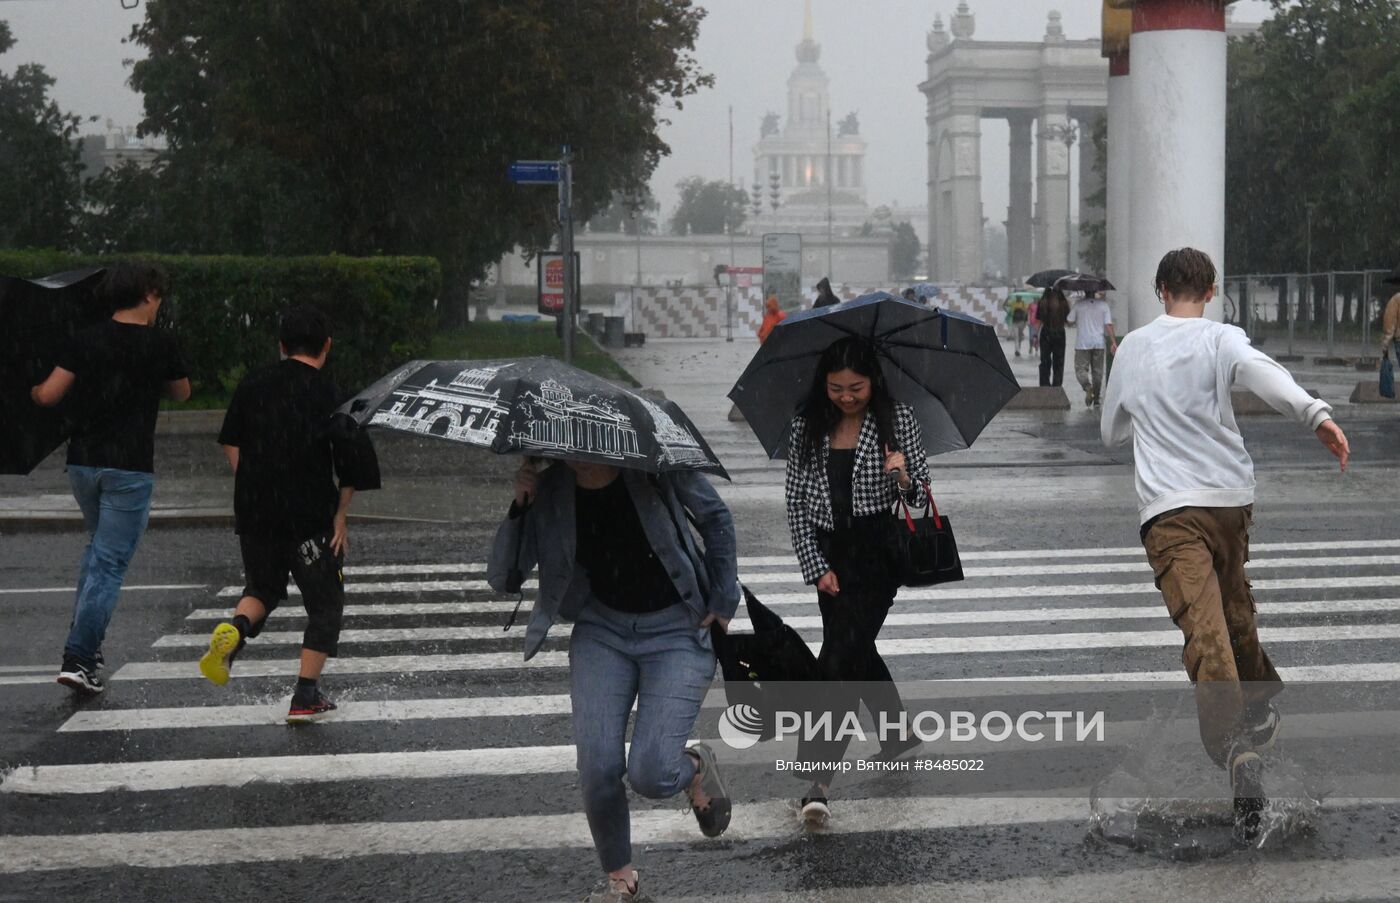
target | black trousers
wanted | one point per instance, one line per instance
(851, 622)
(269, 563)
(1052, 357)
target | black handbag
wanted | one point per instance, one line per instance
(926, 553)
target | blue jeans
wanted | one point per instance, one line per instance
(116, 505)
(664, 663)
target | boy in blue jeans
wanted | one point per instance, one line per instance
(115, 375)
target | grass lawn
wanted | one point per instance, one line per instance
(488, 341)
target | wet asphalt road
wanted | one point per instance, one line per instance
(436, 786)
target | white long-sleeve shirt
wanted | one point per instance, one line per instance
(1170, 393)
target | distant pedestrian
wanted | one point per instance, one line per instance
(117, 373)
(615, 557)
(287, 450)
(1390, 323)
(908, 295)
(1017, 317)
(773, 314)
(825, 296)
(1093, 319)
(1169, 394)
(1053, 311)
(1033, 318)
(853, 451)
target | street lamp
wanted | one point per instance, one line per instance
(775, 190)
(1068, 133)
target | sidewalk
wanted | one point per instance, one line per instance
(425, 481)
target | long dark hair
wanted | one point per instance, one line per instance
(820, 415)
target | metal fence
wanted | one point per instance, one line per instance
(1334, 315)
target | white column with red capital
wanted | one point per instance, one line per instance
(1178, 145)
(1118, 230)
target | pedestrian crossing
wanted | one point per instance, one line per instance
(448, 744)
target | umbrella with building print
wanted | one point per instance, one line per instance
(536, 406)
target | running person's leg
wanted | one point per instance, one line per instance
(124, 507)
(603, 680)
(1258, 677)
(319, 575)
(265, 572)
(675, 668)
(1180, 550)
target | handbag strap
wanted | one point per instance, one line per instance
(933, 506)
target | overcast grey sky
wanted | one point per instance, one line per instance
(872, 50)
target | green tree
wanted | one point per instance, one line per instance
(1093, 231)
(40, 169)
(904, 251)
(1308, 117)
(386, 126)
(627, 213)
(706, 207)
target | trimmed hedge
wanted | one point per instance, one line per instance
(225, 309)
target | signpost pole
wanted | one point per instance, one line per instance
(566, 245)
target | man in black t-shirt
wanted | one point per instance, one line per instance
(114, 376)
(287, 446)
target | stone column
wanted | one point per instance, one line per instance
(1178, 91)
(1052, 184)
(1120, 187)
(961, 179)
(1019, 213)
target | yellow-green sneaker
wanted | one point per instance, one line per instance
(224, 644)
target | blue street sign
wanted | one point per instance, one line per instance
(534, 172)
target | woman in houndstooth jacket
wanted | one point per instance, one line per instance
(852, 452)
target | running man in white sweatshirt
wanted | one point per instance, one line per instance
(1170, 394)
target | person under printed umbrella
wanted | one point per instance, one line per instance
(616, 557)
(852, 452)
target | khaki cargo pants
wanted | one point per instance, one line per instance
(1198, 557)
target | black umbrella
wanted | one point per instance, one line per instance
(1079, 282)
(40, 315)
(948, 367)
(1393, 278)
(756, 666)
(1047, 278)
(535, 406)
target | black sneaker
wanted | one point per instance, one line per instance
(1262, 726)
(309, 706)
(815, 808)
(895, 749)
(79, 678)
(714, 814)
(1247, 786)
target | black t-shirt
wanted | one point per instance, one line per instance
(290, 451)
(121, 372)
(614, 551)
(840, 471)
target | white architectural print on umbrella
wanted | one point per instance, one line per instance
(461, 410)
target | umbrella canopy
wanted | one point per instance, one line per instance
(1393, 278)
(948, 367)
(40, 315)
(1047, 278)
(1079, 282)
(535, 406)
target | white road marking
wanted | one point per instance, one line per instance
(751, 821)
(949, 591)
(138, 588)
(804, 622)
